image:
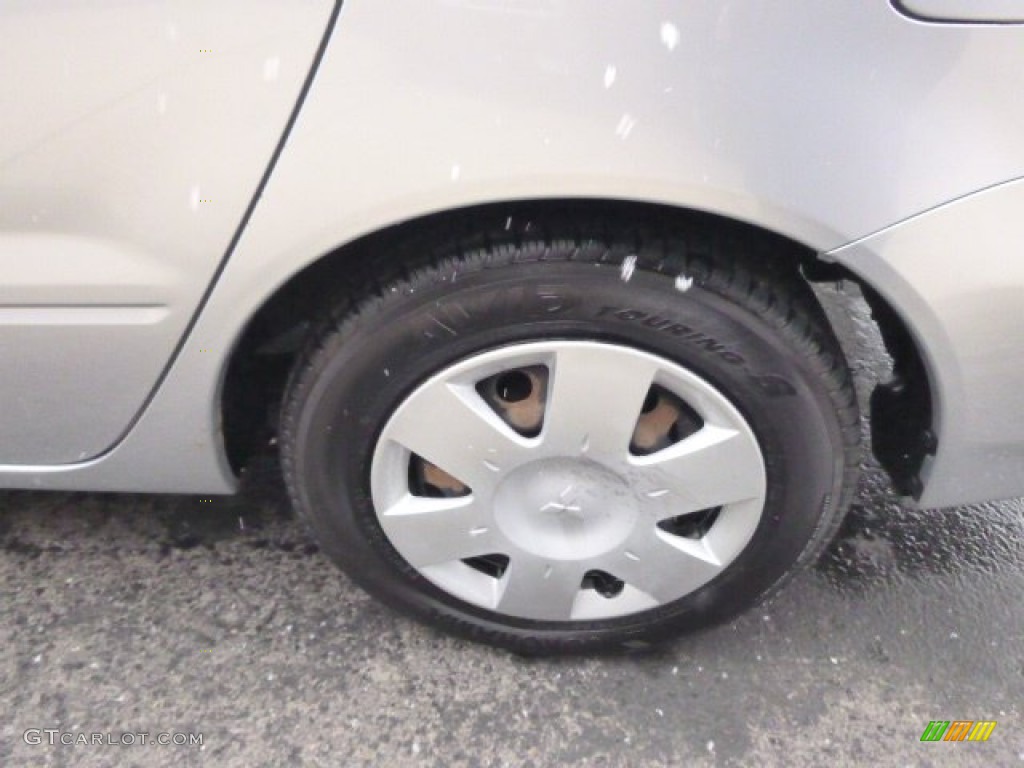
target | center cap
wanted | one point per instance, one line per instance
(565, 509)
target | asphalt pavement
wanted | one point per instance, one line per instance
(219, 620)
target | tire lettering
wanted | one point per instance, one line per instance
(678, 329)
(711, 345)
(657, 323)
(772, 385)
(630, 314)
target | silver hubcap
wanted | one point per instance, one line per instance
(567, 480)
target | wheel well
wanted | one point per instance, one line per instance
(258, 370)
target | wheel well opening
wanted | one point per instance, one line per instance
(902, 409)
(258, 372)
(901, 406)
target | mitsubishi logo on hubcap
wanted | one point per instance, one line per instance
(572, 508)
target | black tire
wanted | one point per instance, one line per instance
(754, 332)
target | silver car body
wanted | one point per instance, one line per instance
(165, 169)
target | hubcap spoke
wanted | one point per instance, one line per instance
(713, 467)
(450, 426)
(432, 531)
(539, 588)
(663, 566)
(594, 400)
